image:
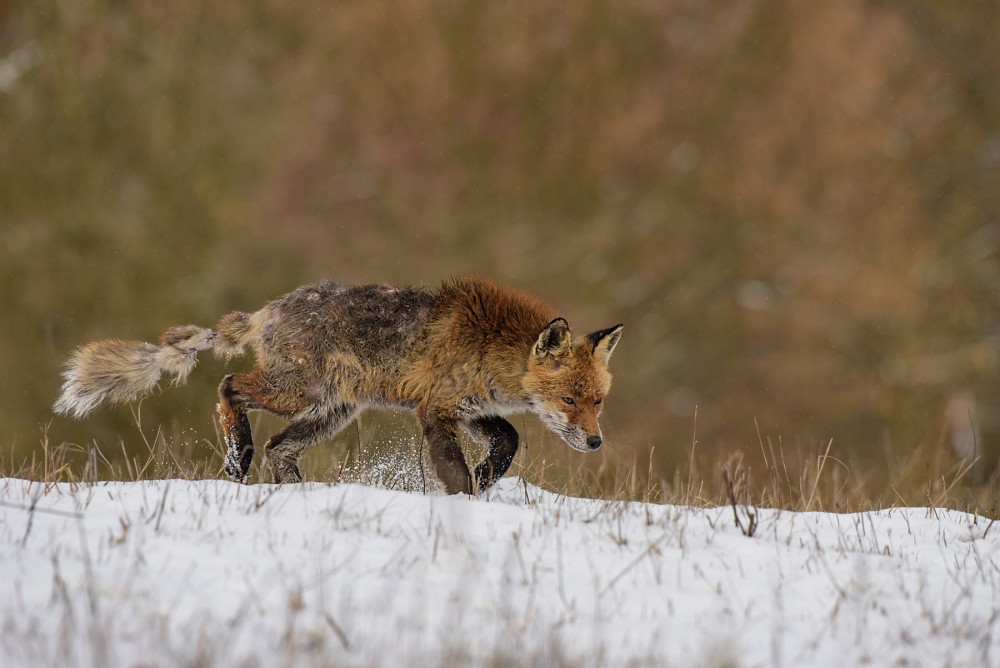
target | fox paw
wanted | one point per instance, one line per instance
(237, 465)
(285, 471)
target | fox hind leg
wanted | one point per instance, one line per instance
(286, 447)
(501, 442)
(238, 393)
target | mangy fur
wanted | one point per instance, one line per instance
(461, 357)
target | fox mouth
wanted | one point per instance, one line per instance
(575, 438)
(579, 448)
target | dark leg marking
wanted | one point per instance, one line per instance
(501, 443)
(236, 396)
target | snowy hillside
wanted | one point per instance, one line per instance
(215, 574)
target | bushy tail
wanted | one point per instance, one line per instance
(119, 371)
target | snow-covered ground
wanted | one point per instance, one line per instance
(211, 573)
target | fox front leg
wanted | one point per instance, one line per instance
(449, 464)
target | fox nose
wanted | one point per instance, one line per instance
(593, 442)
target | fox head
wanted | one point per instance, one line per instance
(566, 382)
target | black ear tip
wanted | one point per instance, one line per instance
(608, 338)
(558, 322)
(602, 333)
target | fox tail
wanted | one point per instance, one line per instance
(118, 371)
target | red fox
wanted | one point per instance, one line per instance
(461, 356)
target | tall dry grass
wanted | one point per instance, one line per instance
(776, 476)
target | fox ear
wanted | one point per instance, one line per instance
(555, 340)
(604, 342)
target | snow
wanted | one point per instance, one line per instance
(209, 573)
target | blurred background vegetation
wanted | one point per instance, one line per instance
(792, 206)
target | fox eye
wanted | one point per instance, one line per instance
(569, 401)
(598, 402)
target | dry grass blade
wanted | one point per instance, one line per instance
(750, 528)
(819, 474)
